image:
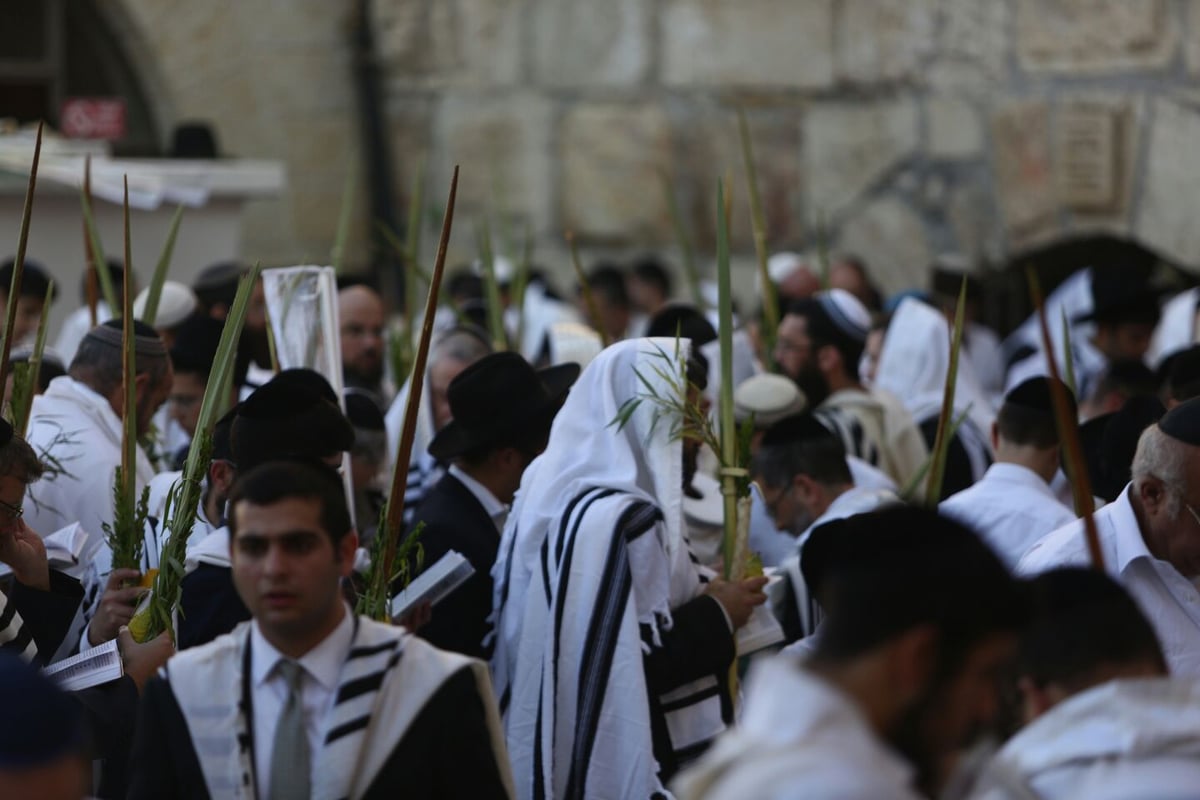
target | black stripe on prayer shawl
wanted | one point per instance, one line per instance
(360, 686)
(347, 728)
(600, 643)
(363, 651)
(539, 791)
(6, 616)
(692, 699)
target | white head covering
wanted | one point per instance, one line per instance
(768, 397)
(176, 303)
(914, 362)
(781, 265)
(573, 343)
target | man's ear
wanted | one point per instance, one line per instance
(1153, 493)
(995, 437)
(141, 383)
(913, 658)
(829, 360)
(346, 549)
(1035, 700)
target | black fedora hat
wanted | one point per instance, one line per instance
(497, 395)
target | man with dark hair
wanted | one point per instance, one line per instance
(215, 288)
(35, 282)
(362, 319)
(819, 346)
(1182, 376)
(922, 617)
(308, 699)
(649, 286)
(611, 299)
(1149, 536)
(1113, 385)
(192, 356)
(801, 469)
(1012, 506)
(77, 425)
(1102, 717)
(502, 410)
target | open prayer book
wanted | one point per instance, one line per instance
(451, 571)
(90, 668)
(64, 549)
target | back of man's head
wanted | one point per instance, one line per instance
(801, 445)
(97, 362)
(35, 280)
(294, 416)
(1085, 630)
(881, 575)
(1027, 416)
(607, 283)
(17, 458)
(276, 481)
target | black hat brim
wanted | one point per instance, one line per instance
(455, 439)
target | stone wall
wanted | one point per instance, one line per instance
(901, 128)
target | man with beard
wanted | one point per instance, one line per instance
(801, 469)
(922, 619)
(819, 346)
(361, 316)
(215, 288)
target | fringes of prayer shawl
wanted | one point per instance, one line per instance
(850, 431)
(579, 717)
(386, 680)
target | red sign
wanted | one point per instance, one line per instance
(93, 118)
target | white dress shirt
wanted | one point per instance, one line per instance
(495, 509)
(322, 670)
(1169, 600)
(799, 737)
(1011, 507)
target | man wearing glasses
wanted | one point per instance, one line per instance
(1150, 536)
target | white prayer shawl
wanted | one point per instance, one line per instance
(76, 326)
(1123, 740)
(799, 737)
(983, 347)
(423, 470)
(78, 427)
(877, 428)
(1176, 328)
(1072, 297)
(541, 314)
(14, 638)
(213, 549)
(745, 364)
(591, 563)
(386, 681)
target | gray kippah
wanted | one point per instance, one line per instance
(146, 341)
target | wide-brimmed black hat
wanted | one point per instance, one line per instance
(497, 395)
(1122, 296)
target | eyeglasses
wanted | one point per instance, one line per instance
(773, 504)
(13, 513)
(1192, 511)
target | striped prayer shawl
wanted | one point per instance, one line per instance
(15, 636)
(850, 430)
(578, 708)
(386, 680)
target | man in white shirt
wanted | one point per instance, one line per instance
(502, 410)
(923, 616)
(308, 699)
(77, 428)
(1150, 536)
(801, 470)
(1011, 506)
(1102, 718)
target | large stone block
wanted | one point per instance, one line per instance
(891, 238)
(976, 32)
(769, 43)
(883, 40)
(1166, 218)
(849, 147)
(1191, 35)
(502, 144)
(955, 128)
(611, 155)
(1090, 36)
(592, 44)
(450, 42)
(1024, 170)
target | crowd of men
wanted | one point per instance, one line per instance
(961, 640)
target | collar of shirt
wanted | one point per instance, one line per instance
(1016, 473)
(494, 508)
(1127, 534)
(855, 500)
(323, 663)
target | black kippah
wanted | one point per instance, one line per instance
(6, 432)
(796, 428)
(363, 411)
(1182, 422)
(1035, 394)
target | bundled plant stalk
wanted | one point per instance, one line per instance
(521, 282)
(91, 284)
(126, 534)
(337, 255)
(98, 263)
(14, 289)
(589, 300)
(941, 442)
(392, 553)
(1068, 432)
(26, 375)
(1068, 354)
(183, 499)
(495, 310)
(770, 301)
(686, 254)
(154, 291)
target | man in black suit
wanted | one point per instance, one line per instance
(308, 699)
(502, 410)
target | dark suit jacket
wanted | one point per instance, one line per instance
(446, 753)
(209, 606)
(454, 520)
